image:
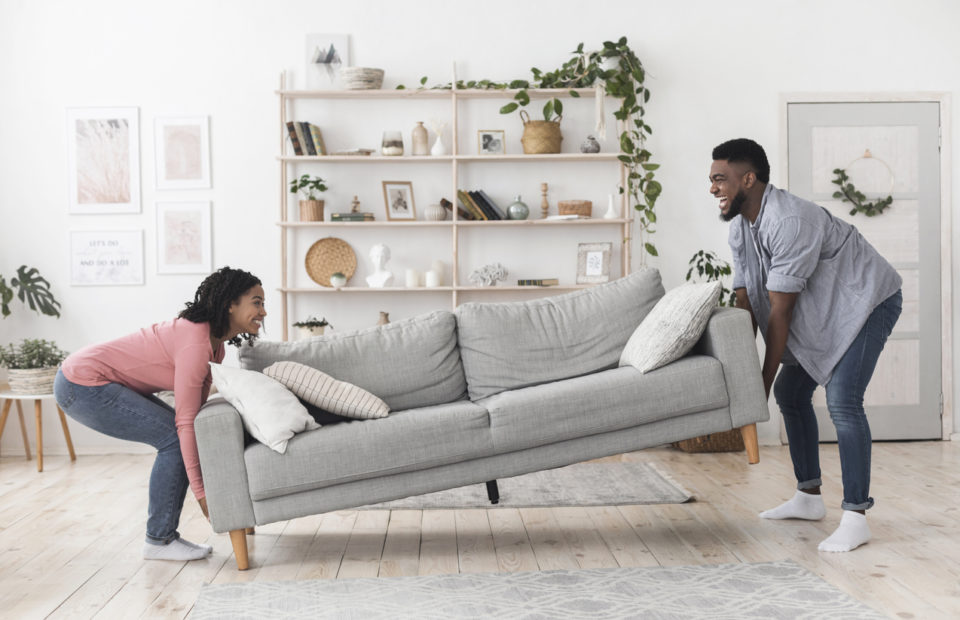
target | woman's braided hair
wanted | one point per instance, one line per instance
(211, 303)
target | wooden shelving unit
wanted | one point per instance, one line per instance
(453, 163)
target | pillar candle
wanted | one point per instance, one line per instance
(432, 278)
(437, 267)
(413, 278)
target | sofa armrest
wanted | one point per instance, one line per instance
(219, 431)
(729, 338)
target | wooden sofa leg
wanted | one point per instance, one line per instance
(251, 530)
(239, 540)
(749, 434)
(493, 491)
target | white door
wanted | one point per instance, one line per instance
(886, 149)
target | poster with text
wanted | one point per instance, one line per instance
(106, 258)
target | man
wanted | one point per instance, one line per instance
(825, 301)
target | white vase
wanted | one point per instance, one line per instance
(438, 148)
(611, 213)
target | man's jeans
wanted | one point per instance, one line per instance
(794, 388)
(118, 411)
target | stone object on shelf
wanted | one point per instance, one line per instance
(361, 78)
(590, 145)
(355, 205)
(488, 275)
(380, 278)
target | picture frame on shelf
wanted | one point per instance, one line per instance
(103, 160)
(106, 258)
(491, 142)
(398, 200)
(593, 262)
(183, 238)
(182, 149)
(325, 54)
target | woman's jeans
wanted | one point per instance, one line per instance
(118, 411)
(793, 391)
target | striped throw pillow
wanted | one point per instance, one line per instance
(320, 389)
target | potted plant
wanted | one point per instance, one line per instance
(312, 326)
(32, 289)
(338, 280)
(309, 188)
(538, 136)
(31, 365)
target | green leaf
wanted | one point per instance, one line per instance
(651, 249)
(574, 94)
(625, 159)
(548, 110)
(401, 87)
(510, 107)
(34, 290)
(650, 166)
(523, 97)
(423, 80)
(558, 106)
(626, 144)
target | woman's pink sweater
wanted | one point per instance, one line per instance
(173, 355)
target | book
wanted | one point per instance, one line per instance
(467, 202)
(294, 139)
(308, 147)
(317, 139)
(300, 138)
(352, 217)
(539, 282)
(480, 202)
(462, 213)
(500, 212)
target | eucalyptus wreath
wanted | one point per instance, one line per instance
(849, 193)
(618, 69)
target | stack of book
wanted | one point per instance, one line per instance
(306, 138)
(352, 217)
(539, 282)
(480, 205)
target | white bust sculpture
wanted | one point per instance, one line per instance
(380, 277)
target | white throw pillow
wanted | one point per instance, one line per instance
(672, 328)
(270, 412)
(322, 390)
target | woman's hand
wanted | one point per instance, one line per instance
(203, 507)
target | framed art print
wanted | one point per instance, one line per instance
(106, 258)
(182, 148)
(490, 142)
(398, 199)
(593, 262)
(103, 159)
(183, 237)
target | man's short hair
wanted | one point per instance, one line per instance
(745, 150)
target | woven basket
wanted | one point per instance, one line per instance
(726, 441)
(361, 78)
(32, 380)
(575, 207)
(540, 136)
(311, 210)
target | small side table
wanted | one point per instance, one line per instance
(9, 398)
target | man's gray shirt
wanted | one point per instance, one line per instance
(803, 249)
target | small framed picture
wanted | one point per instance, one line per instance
(103, 158)
(593, 262)
(490, 142)
(182, 152)
(106, 258)
(398, 198)
(183, 237)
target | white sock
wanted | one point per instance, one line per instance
(207, 548)
(179, 550)
(800, 506)
(852, 533)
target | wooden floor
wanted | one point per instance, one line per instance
(70, 537)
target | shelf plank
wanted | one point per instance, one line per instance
(434, 289)
(433, 93)
(366, 159)
(411, 159)
(447, 223)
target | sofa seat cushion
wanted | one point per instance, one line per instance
(602, 402)
(405, 441)
(410, 363)
(509, 345)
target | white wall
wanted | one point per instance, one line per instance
(716, 72)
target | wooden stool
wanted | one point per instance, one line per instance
(10, 398)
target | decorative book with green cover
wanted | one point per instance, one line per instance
(539, 282)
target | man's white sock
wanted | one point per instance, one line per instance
(179, 550)
(852, 533)
(202, 546)
(800, 506)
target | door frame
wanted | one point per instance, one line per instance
(946, 231)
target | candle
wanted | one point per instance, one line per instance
(413, 278)
(437, 267)
(432, 279)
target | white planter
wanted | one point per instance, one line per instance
(310, 332)
(32, 380)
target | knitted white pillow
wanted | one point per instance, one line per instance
(322, 390)
(270, 412)
(672, 328)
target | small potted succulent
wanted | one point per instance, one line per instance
(31, 365)
(312, 326)
(338, 280)
(309, 188)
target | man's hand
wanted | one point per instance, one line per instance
(203, 507)
(778, 328)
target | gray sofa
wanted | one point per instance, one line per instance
(490, 391)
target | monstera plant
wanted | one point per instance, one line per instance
(30, 288)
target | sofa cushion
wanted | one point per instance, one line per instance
(602, 402)
(318, 388)
(404, 441)
(510, 345)
(410, 363)
(673, 326)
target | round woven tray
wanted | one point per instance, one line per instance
(328, 256)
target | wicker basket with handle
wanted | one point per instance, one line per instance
(540, 136)
(575, 207)
(726, 441)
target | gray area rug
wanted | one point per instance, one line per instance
(763, 590)
(582, 484)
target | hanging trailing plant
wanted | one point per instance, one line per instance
(618, 69)
(849, 193)
(711, 267)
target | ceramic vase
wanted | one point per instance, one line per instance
(392, 144)
(518, 210)
(338, 280)
(438, 148)
(435, 213)
(418, 140)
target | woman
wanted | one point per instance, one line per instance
(109, 387)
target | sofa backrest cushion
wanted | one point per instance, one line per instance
(510, 345)
(410, 363)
